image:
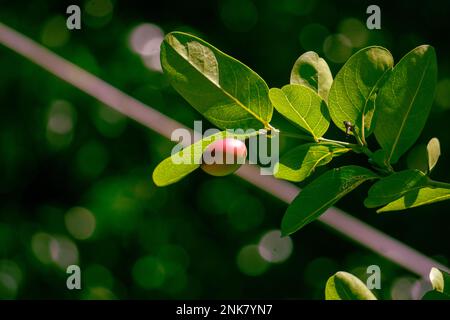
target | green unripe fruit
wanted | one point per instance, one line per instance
(223, 157)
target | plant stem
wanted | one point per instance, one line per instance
(360, 142)
(297, 136)
(438, 184)
(352, 145)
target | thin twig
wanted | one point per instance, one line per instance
(342, 222)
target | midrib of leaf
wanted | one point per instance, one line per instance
(408, 111)
(320, 159)
(301, 117)
(374, 88)
(230, 96)
(346, 93)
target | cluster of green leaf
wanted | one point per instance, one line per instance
(370, 94)
(345, 286)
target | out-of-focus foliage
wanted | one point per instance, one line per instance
(75, 176)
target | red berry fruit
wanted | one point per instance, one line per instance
(223, 157)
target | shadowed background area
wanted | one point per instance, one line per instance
(75, 176)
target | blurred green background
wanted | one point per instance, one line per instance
(75, 176)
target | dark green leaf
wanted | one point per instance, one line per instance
(302, 106)
(418, 158)
(378, 158)
(345, 286)
(225, 91)
(312, 71)
(180, 164)
(394, 186)
(405, 100)
(300, 162)
(352, 94)
(321, 194)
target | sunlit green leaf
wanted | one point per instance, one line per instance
(302, 106)
(321, 194)
(352, 94)
(345, 286)
(416, 198)
(300, 162)
(225, 91)
(405, 100)
(394, 186)
(312, 71)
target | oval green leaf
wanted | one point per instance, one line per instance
(345, 286)
(394, 186)
(404, 101)
(321, 194)
(300, 162)
(303, 107)
(225, 91)
(312, 71)
(352, 95)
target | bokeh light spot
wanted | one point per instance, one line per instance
(63, 251)
(355, 31)
(337, 48)
(146, 40)
(98, 8)
(274, 248)
(402, 288)
(443, 94)
(58, 250)
(55, 32)
(80, 222)
(98, 13)
(61, 119)
(40, 245)
(250, 262)
(96, 275)
(108, 121)
(10, 278)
